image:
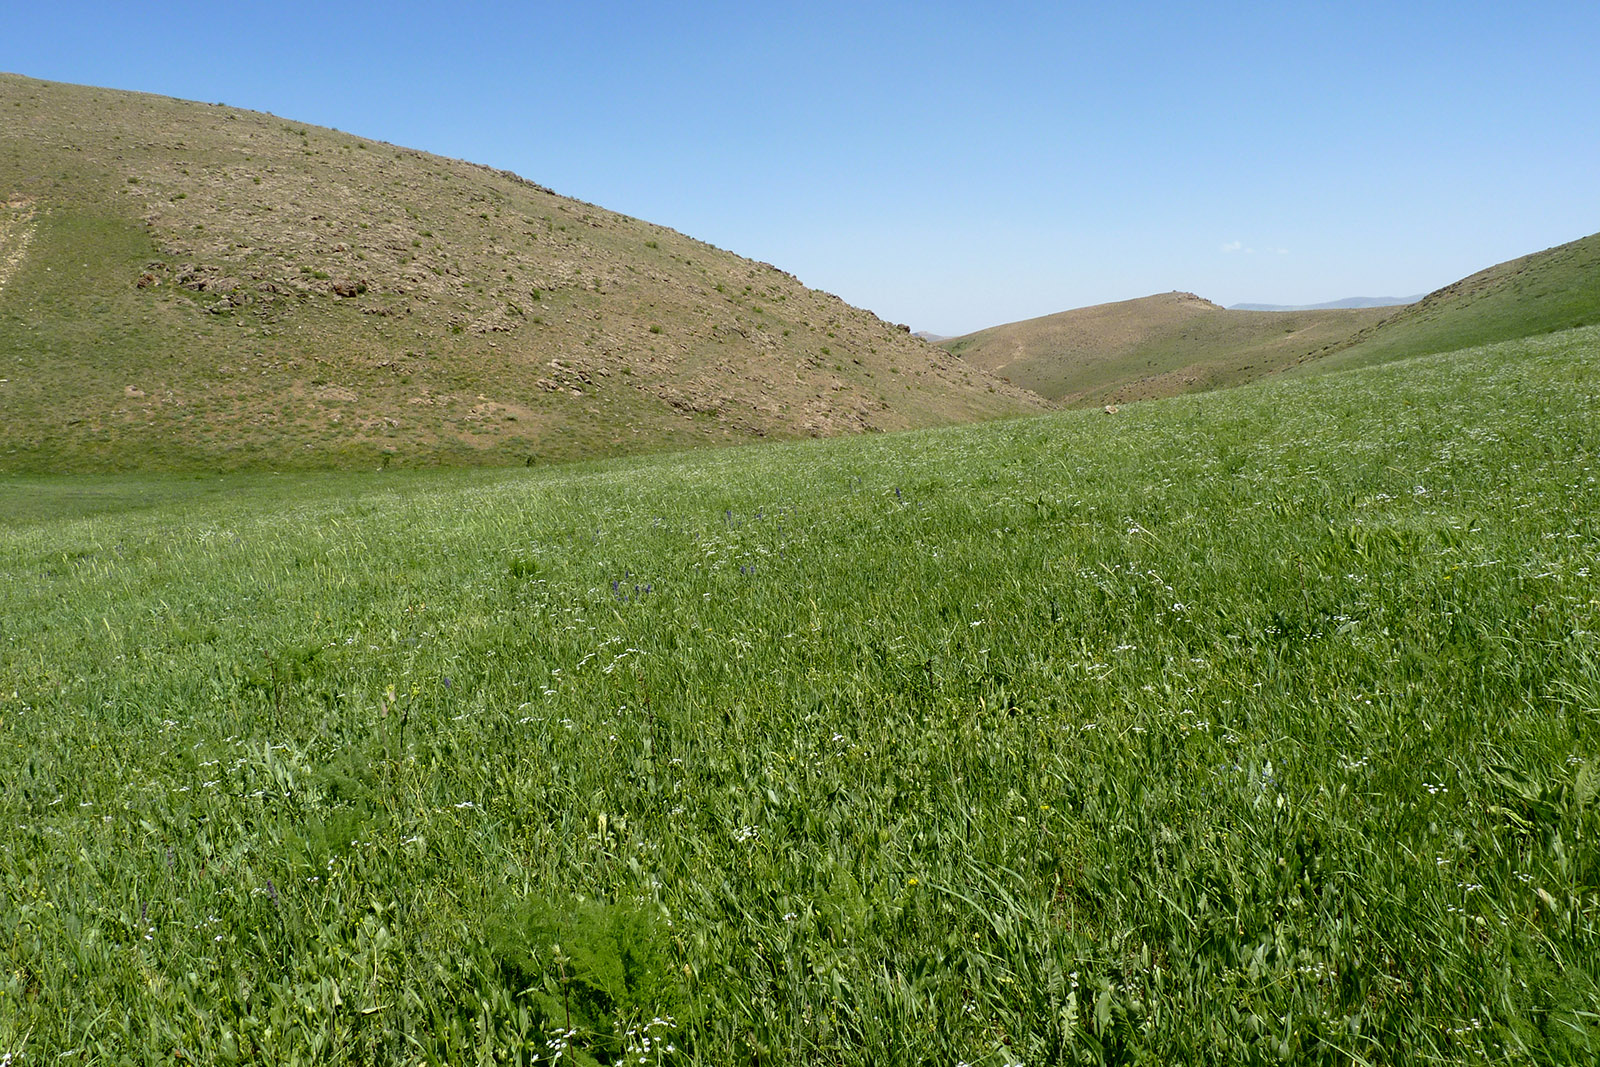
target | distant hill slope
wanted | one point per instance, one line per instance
(1177, 343)
(194, 286)
(1534, 294)
(1329, 305)
(1151, 347)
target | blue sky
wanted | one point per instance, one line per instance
(949, 165)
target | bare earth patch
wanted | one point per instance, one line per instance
(16, 233)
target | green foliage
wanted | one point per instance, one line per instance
(590, 969)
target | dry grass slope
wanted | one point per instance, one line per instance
(193, 286)
(1156, 346)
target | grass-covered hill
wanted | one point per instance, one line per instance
(1540, 293)
(197, 287)
(1152, 347)
(1263, 730)
(1179, 343)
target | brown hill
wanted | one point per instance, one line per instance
(188, 286)
(1152, 347)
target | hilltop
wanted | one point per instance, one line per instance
(1151, 347)
(193, 286)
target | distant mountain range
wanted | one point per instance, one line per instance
(1333, 305)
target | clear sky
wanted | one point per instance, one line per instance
(949, 165)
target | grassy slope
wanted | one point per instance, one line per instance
(168, 279)
(1264, 729)
(1177, 343)
(1152, 347)
(1547, 291)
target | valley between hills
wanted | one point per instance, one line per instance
(1257, 727)
(187, 286)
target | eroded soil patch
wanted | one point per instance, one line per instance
(16, 233)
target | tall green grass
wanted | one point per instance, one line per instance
(1240, 728)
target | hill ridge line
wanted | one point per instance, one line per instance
(285, 294)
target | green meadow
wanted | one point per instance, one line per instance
(1252, 727)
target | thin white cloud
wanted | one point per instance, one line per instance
(1233, 246)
